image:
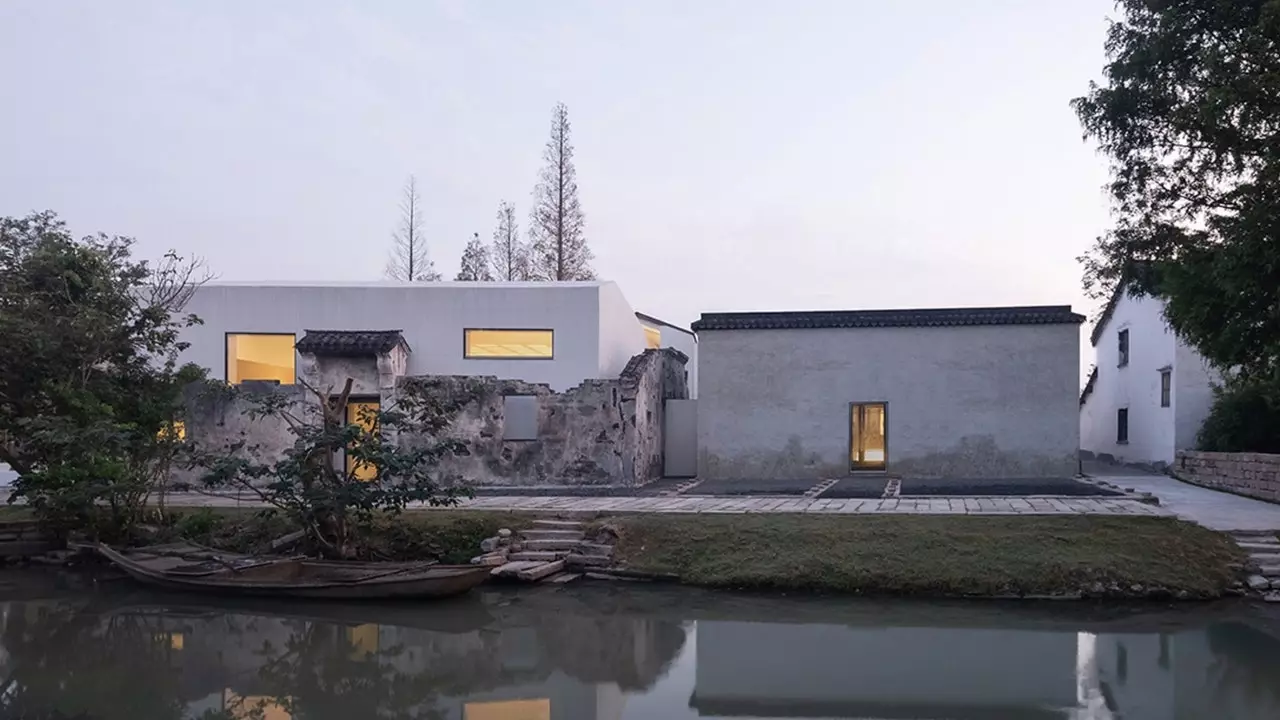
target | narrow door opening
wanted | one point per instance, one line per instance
(868, 449)
(363, 413)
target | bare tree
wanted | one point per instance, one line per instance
(475, 261)
(410, 261)
(558, 228)
(174, 280)
(509, 255)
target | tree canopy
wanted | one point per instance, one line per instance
(1188, 111)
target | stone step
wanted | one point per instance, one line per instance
(1259, 547)
(541, 571)
(1272, 558)
(1270, 571)
(563, 577)
(1256, 537)
(552, 534)
(512, 568)
(587, 548)
(576, 560)
(490, 559)
(549, 545)
(538, 555)
(557, 525)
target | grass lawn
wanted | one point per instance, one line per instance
(930, 555)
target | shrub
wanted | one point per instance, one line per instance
(1245, 417)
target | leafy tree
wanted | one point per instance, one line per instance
(558, 240)
(410, 260)
(338, 472)
(90, 386)
(475, 261)
(1187, 112)
(509, 254)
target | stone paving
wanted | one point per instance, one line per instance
(1031, 505)
(1210, 508)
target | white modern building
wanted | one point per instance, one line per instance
(1149, 392)
(956, 392)
(555, 333)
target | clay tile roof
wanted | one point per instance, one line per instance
(933, 317)
(349, 342)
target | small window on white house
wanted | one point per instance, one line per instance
(1166, 388)
(520, 417)
(1122, 426)
(1124, 347)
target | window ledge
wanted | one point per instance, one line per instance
(1122, 442)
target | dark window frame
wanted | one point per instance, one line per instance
(226, 364)
(861, 466)
(466, 356)
(1122, 426)
(1122, 341)
(1166, 387)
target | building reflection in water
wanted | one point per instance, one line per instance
(216, 664)
(494, 658)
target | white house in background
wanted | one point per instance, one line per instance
(558, 333)
(1149, 392)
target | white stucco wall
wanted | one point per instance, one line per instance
(432, 317)
(982, 400)
(1155, 432)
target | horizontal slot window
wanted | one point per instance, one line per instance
(254, 356)
(508, 344)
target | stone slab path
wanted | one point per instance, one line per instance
(1210, 508)
(743, 505)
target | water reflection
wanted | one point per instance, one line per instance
(637, 653)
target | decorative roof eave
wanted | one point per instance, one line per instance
(927, 317)
(350, 343)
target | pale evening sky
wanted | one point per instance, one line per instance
(732, 154)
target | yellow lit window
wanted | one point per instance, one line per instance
(539, 709)
(511, 344)
(653, 337)
(363, 639)
(176, 431)
(257, 707)
(176, 641)
(364, 414)
(260, 357)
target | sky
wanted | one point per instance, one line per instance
(732, 155)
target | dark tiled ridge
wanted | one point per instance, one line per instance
(929, 317)
(349, 342)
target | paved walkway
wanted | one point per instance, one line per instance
(1210, 508)
(743, 505)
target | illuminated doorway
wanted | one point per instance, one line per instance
(868, 446)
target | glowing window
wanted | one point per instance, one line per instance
(260, 357)
(364, 414)
(653, 336)
(175, 431)
(539, 709)
(509, 344)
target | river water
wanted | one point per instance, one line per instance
(608, 652)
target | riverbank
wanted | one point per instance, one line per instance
(922, 555)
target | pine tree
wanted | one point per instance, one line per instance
(558, 247)
(409, 261)
(509, 255)
(475, 261)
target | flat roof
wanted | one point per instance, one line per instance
(399, 284)
(655, 321)
(921, 317)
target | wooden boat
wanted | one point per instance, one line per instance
(209, 571)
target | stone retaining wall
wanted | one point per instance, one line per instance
(1256, 475)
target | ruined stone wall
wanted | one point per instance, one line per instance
(602, 432)
(1255, 475)
(219, 417)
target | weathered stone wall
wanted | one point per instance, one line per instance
(602, 432)
(1256, 475)
(219, 417)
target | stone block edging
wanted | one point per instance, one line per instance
(1253, 475)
